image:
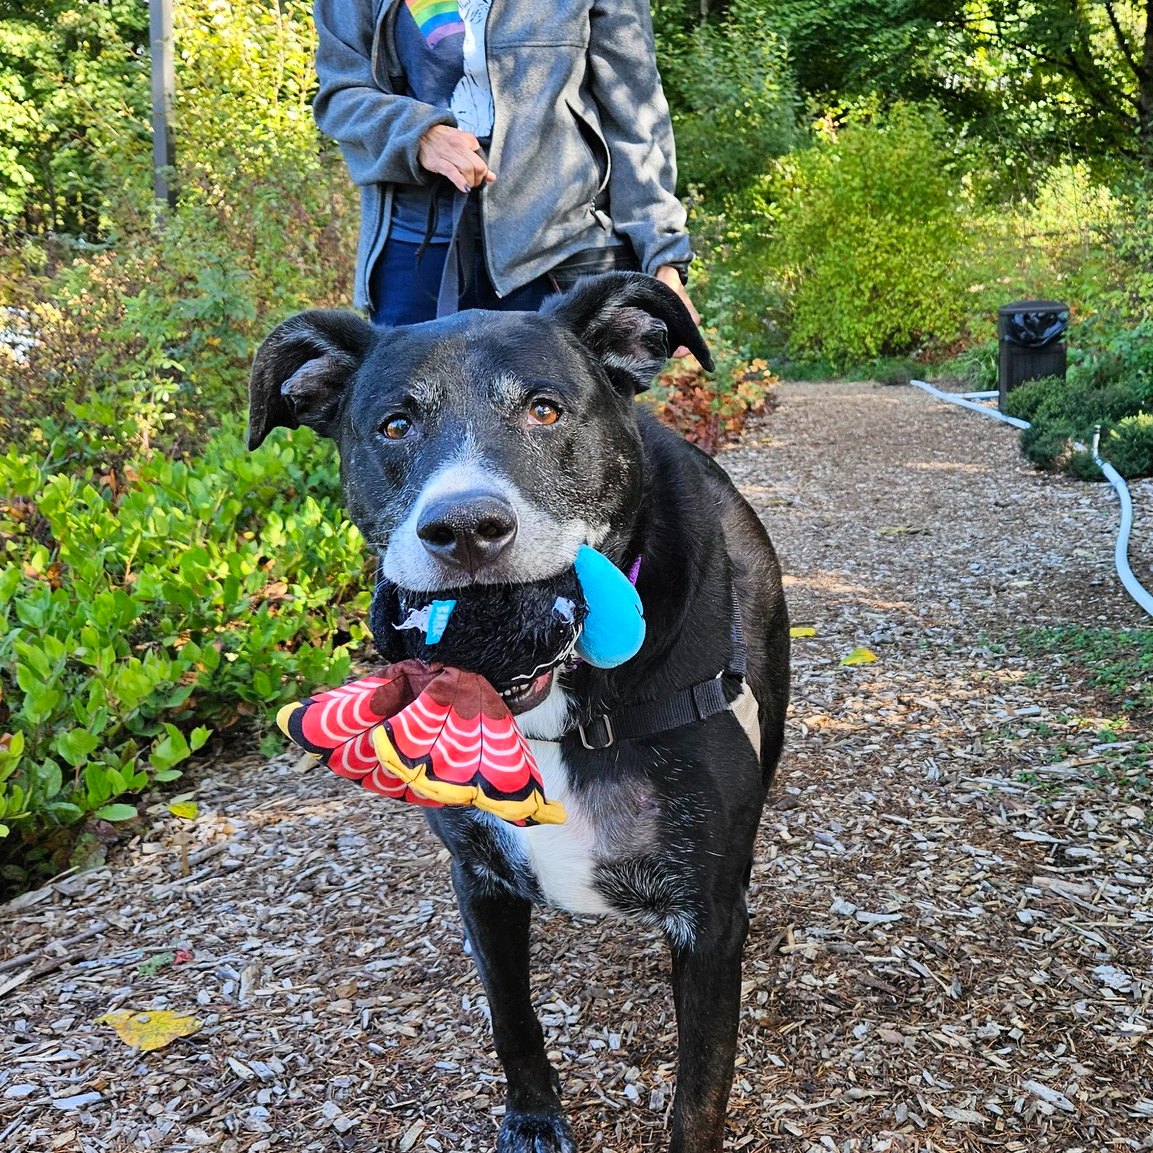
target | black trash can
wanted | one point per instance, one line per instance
(1030, 342)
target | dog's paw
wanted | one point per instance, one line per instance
(535, 1133)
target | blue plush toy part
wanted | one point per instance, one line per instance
(438, 614)
(614, 629)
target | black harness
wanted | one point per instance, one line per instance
(684, 707)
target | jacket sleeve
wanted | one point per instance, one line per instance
(638, 130)
(378, 130)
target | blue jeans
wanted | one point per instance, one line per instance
(404, 286)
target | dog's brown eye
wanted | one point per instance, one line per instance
(396, 427)
(543, 411)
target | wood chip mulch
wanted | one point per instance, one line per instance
(952, 942)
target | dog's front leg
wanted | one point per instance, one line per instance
(498, 930)
(707, 992)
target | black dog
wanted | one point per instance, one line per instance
(486, 448)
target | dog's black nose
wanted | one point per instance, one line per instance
(469, 531)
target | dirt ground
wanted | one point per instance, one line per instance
(952, 941)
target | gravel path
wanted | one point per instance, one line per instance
(952, 943)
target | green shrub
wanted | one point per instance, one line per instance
(1025, 400)
(732, 71)
(978, 366)
(152, 332)
(870, 240)
(1111, 348)
(138, 608)
(1063, 413)
(156, 581)
(73, 97)
(732, 282)
(1128, 445)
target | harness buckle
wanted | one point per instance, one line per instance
(597, 734)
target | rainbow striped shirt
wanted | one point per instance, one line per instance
(436, 19)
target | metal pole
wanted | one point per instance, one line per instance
(163, 85)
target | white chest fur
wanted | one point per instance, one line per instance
(562, 857)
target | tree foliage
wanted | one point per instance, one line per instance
(730, 89)
(1033, 76)
(73, 98)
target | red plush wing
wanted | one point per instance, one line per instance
(427, 735)
(336, 726)
(478, 749)
(458, 743)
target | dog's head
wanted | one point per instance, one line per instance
(484, 447)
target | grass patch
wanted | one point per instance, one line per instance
(1119, 661)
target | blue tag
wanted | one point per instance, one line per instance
(438, 614)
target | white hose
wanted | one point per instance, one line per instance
(953, 398)
(1121, 552)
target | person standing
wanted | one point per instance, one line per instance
(502, 149)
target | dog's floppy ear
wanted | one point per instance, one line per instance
(301, 370)
(631, 322)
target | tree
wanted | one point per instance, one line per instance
(73, 93)
(727, 77)
(1050, 73)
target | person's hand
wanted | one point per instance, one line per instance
(449, 152)
(667, 274)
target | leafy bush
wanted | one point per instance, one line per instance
(977, 366)
(711, 412)
(870, 241)
(151, 333)
(73, 97)
(732, 71)
(1127, 446)
(1024, 401)
(1066, 412)
(732, 281)
(135, 604)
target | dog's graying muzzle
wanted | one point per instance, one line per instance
(467, 530)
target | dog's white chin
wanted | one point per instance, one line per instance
(549, 719)
(525, 698)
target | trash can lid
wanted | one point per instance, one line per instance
(1032, 306)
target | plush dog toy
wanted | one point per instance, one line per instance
(436, 726)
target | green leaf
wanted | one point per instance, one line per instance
(171, 749)
(76, 746)
(116, 812)
(40, 703)
(97, 785)
(64, 811)
(11, 752)
(14, 804)
(51, 780)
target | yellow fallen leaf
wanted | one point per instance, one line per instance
(187, 809)
(802, 631)
(859, 657)
(151, 1030)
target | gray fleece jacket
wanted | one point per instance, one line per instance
(582, 142)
